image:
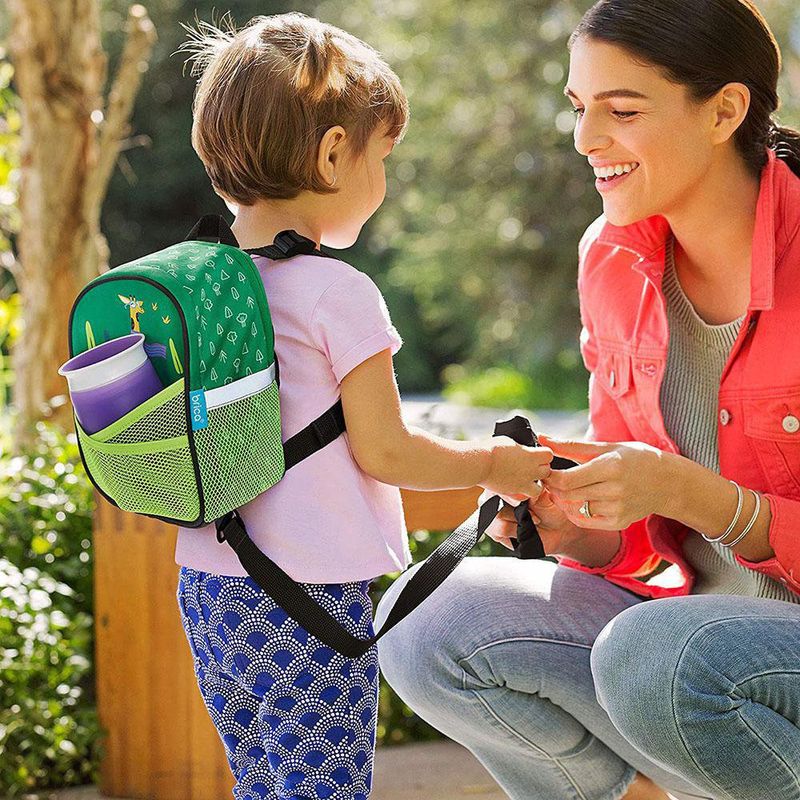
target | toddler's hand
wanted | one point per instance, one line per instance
(516, 469)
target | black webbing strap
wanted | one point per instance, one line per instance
(330, 425)
(439, 564)
(315, 619)
(528, 543)
(320, 433)
(212, 228)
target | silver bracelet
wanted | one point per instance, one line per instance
(729, 529)
(750, 524)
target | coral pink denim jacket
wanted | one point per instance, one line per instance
(624, 347)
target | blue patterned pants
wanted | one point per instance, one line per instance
(296, 718)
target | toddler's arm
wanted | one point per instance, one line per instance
(385, 448)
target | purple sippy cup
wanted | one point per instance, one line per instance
(108, 381)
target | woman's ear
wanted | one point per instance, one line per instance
(730, 107)
(329, 153)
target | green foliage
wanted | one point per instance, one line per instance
(46, 511)
(497, 387)
(49, 733)
(561, 384)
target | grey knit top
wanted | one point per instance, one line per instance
(696, 356)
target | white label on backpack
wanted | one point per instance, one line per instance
(197, 403)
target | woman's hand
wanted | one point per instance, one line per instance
(623, 482)
(554, 527)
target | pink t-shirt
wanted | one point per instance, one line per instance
(325, 521)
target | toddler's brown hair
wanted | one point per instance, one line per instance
(267, 93)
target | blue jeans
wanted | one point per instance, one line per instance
(564, 685)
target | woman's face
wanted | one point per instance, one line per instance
(631, 120)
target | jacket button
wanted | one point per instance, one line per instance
(724, 416)
(612, 379)
(791, 424)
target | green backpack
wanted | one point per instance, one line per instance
(210, 441)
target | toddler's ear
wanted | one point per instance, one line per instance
(330, 148)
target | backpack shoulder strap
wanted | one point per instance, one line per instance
(320, 433)
(330, 425)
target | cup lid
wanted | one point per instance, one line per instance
(105, 363)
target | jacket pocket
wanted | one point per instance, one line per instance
(772, 426)
(613, 371)
(614, 374)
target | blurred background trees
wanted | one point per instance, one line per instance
(68, 137)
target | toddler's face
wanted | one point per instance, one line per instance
(361, 181)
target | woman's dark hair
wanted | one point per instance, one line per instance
(704, 45)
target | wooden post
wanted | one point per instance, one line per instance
(161, 744)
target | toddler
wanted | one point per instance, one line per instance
(293, 120)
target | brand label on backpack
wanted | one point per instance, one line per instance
(197, 403)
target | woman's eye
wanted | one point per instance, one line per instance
(619, 114)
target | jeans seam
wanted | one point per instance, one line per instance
(523, 639)
(502, 722)
(681, 655)
(769, 747)
(519, 736)
(768, 672)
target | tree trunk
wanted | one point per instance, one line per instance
(70, 142)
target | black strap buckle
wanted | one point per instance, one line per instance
(291, 243)
(223, 522)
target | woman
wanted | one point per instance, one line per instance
(559, 678)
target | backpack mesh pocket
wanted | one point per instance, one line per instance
(143, 462)
(240, 452)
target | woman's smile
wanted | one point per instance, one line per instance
(610, 176)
